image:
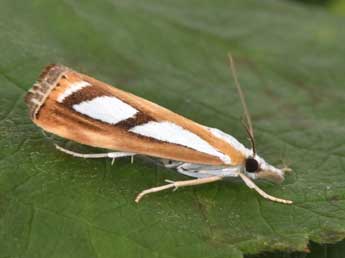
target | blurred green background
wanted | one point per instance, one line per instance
(327, 250)
(335, 6)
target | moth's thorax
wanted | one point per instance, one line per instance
(265, 171)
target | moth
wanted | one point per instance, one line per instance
(87, 111)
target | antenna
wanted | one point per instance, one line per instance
(247, 122)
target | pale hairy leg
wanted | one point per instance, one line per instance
(111, 155)
(252, 185)
(178, 184)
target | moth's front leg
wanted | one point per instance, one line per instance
(253, 186)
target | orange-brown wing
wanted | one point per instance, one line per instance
(85, 110)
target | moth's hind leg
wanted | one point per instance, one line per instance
(111, 155)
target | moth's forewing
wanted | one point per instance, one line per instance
(71, 105)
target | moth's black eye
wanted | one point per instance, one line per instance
(251, 165)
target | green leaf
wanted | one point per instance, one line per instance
(290, 62)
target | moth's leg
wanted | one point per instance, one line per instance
(252, 185)
(178, 184)
(112, 155)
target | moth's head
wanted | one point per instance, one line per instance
(257, 168)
